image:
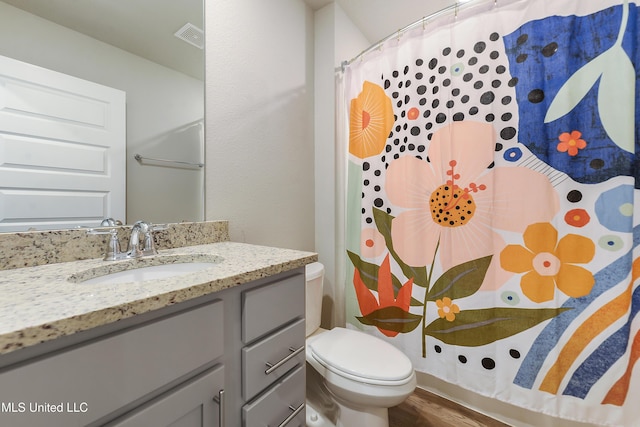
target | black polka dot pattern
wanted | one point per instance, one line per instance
(574, 196)
(487, 363)
(460, 83)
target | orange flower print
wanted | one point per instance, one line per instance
(447, 309)
(577, 217)
(548, 263)
(367, 300)
(571, 142)
(370, 121)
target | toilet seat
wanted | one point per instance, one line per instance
(361, 357)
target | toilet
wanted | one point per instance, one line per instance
(362, 375)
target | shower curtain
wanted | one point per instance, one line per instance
(491, 224)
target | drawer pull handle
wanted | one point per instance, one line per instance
(295, 412)
(219, 399)
(294, 353)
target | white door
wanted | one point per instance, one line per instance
(62, 149)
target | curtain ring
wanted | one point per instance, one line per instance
(399, 35)
(424, 22)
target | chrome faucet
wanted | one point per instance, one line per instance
(139, 247)
(140, 242)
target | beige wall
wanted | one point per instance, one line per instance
(259, 120)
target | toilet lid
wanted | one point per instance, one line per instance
(360, 355)
(313, 270)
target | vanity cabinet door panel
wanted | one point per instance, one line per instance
(101, 376)
(268, 307)
(279, 403)
(188, 405)
(288, 343)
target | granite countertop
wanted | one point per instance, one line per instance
(40, 303)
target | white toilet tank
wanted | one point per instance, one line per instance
(314, 276)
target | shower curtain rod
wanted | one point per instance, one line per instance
(422, 21)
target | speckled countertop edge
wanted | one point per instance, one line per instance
(39, 304)
(32, 248)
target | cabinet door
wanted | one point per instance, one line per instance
(281, 405)
(262, 361)
(194, 404)
(107, 374)
(268, 307)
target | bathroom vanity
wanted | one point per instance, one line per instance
(223, 346)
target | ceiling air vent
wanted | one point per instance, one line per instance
(191, 34)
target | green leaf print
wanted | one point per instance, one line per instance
(472, 328)
(392, 319)
(460, 281)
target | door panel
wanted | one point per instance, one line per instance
(62, 149)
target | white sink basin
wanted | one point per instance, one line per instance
(146, 269)
(154, 272)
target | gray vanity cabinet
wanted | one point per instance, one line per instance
(111, 370)
(273, 359)
(188, 405)
(198, 363)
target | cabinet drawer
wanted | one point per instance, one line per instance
(104, 375)
(275, 405)
(258, 358)
(189, 404)
(268, 307)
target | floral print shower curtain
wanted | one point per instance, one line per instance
(491, 224)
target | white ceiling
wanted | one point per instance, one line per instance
(146, 27)
(378, 19)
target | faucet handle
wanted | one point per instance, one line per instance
(113, 245)
(110, 222)
(149, 244)
(146, 227)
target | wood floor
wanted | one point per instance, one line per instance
(425, 409)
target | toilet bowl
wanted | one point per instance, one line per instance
(363, 375)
